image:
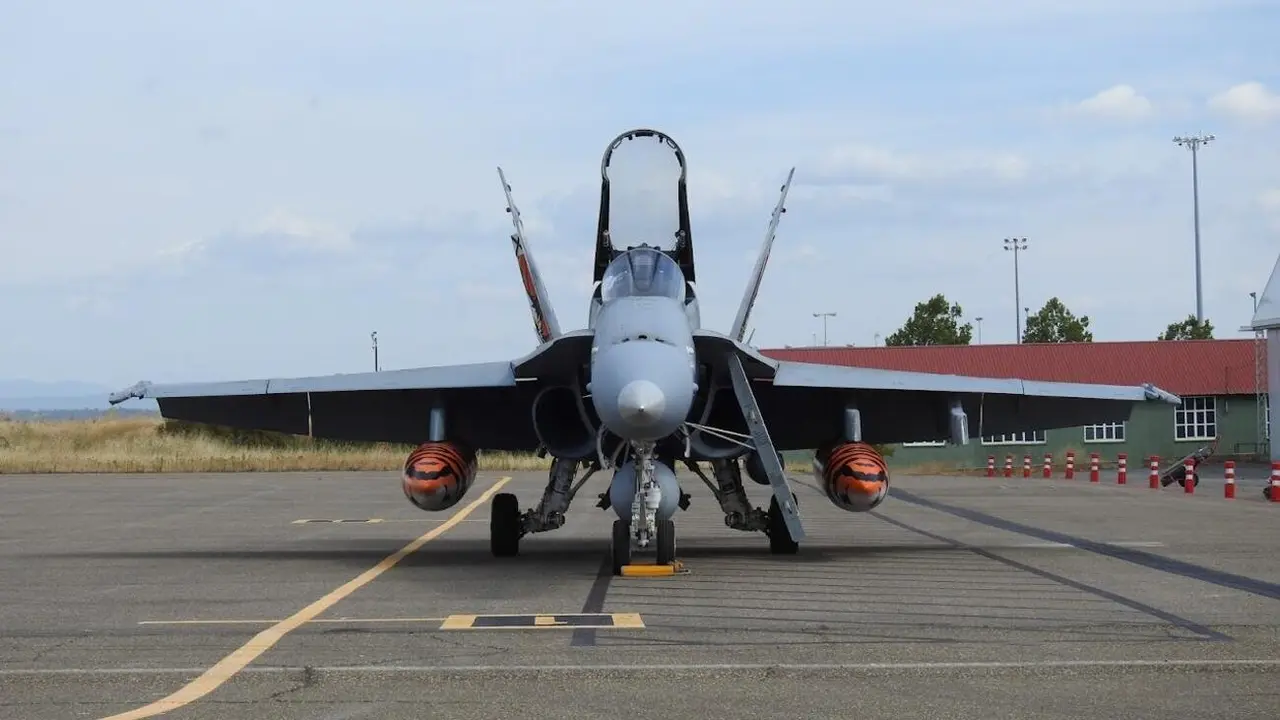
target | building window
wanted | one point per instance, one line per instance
(1196, 418)
(1034, 437)
(926, 443)
(1106, 432)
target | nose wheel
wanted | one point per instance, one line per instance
(621, 547)
(622, 541)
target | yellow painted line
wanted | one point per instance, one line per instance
(228, 666)
(372, 521)
(273, 622)
(544, 621)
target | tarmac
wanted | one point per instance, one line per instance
(242, 596)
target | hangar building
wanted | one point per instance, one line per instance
(1223, 385)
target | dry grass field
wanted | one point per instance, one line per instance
(152, 445)
(132, 444)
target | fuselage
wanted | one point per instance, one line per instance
(643, 371)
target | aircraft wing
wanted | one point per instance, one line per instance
(804, 404)
(487, 405)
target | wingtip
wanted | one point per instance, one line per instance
(1155, 393)
(136, 390)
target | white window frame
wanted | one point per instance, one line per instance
(1196, 418)
(1031, 437)
(1105, 433)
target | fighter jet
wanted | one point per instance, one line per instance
(642, 388)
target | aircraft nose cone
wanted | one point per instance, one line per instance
(641, 402)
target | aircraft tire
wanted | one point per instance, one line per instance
(666, 542)
(504, 525)
(1195, 480)
(780, 542)
(621, 545)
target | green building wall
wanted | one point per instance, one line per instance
(1149, 431)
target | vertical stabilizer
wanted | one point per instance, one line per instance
(757, 274)
(544, 317)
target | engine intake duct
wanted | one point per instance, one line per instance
(721, 412)
(561, 422)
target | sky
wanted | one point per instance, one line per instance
(245, 189)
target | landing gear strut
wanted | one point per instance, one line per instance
(507, 525)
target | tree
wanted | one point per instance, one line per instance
(935, 322)
(1055, 324)
(1189, 329)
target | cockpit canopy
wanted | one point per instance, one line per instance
(642, 272)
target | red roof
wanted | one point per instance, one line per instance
(1182, 367)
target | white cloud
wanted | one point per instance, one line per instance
(882, 163)
(1250, 101)
(1269, 201)
(330, 171)
(1119, 102)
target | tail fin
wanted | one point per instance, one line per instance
(757, 274)
(544, 317)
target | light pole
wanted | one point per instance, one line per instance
(1193, 144)
(1017, 245)
(979, 329)
(374, 337)
(824, 317)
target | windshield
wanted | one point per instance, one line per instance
(643, 272)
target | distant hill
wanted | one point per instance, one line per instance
(83, 414)
(31, 395)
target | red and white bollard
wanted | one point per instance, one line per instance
(1275, 482)
(1093, 467)
(1189, 477)
(1026, 466)
(1008, 465)
(1048, 465)
(1229, 470)
(991, 466)
(1071, 465)
(1154, 481)
(1122, 469)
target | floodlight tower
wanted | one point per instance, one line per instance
(1017, 245)
(824, 317)
(1193, 143)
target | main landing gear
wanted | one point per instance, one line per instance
(738, 512)
(507, 525)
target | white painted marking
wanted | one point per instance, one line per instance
(1119, 543)
(393, 669)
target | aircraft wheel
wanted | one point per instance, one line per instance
(504, 525)
(780, 542)
(621, 547)
(666, 542)
(1195, 480)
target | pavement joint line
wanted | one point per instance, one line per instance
(239, 659)
(623, 667)
(1162, 563)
